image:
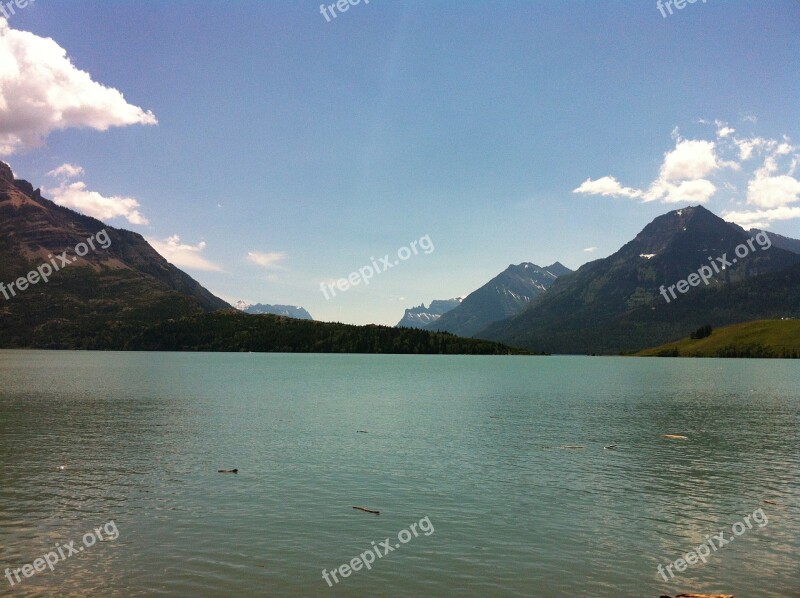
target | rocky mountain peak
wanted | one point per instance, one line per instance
(5, 173)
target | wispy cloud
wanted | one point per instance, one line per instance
(723, 130)
(761, 218)
(66, 171)
(183, 254)
(270, 261)
(607, 186)
(77, 196)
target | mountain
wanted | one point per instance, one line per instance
(91, 301)
(506, 295)
(786, 243)
(558, 269)
(231, 330)
(419, 317)
(289, 311)
(616, 304)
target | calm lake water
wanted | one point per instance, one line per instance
(468, 442)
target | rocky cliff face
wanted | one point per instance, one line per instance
(421, 316)
(289, 311)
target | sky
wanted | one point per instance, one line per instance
(269, 149)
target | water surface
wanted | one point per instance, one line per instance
(469, 442)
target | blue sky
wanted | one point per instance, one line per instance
(290, 150)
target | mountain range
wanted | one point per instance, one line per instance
(421, 316)
(68, 281)
(506, 295)
(786, 243)
(289, 311)
(616, 304)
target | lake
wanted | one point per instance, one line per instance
(470, 450)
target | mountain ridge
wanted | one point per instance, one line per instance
(289, 311)
(614, 304)
(100, 295)
(421, 316)
(505, 295)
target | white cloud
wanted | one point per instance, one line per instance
(607, 186)
(270, 261)
(699, 190)
(681, 176)
(184, 255)
(773, 192)
(41, 91)
(770, 167)
(784, 149)
(794, 165)
(747, 147)
(590, 249)
(76, 196)
(761, 218)
(691, 159)
(66, 171)
(686, 172)
(723, 130)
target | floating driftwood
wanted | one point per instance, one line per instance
(227, 471)
(367, 510)
(677, 437)
(770, 502)
(699, 596)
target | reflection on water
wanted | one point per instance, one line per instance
(466, 441)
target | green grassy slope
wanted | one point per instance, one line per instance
(761, 338)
